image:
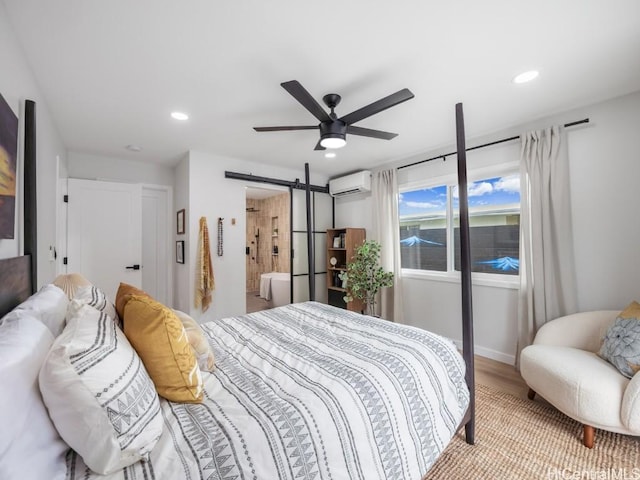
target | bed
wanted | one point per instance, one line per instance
(305, 391)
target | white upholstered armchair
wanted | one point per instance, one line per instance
(563, 366)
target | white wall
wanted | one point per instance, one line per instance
(211, 195)
(111, 169)
(17, 83)
(181, 293)
(605, 166)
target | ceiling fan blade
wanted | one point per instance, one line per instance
(318, 146)
(299, 93)
(378, 106)
(278, 129)
(368, 132)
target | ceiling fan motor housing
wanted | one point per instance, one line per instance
(336, 128)
(331, 100)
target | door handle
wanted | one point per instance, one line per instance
(133, 267)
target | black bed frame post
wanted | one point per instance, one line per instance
(30, 198)
(465, 266)
(310, 254)
(291, 244)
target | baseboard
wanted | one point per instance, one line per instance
(490, 353)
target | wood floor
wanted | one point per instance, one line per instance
(500, 376)
(255, 303)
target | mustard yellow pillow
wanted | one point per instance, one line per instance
(198, 342)
(632, 311)
(161, 341)
(124, 293)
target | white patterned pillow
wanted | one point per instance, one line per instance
(96, 298)
(99, 395)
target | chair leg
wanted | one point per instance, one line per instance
(531, 394)
(589, 436)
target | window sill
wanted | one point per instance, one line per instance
(483, 279)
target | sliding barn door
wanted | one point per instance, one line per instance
(321, 208)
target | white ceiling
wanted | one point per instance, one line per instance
(112, 71)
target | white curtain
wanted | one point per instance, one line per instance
(386, 230)
(547, 273)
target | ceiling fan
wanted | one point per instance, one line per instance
(333, 130)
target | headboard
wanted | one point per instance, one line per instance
(18, 275)
(15, 282)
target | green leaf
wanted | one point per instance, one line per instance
(366, 276)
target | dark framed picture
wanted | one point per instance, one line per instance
(8, 176)
(180, 251)
(180, 222)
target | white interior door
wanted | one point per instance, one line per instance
(61, 227)
(104, 233)
(156, 254)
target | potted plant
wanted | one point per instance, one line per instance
(365, 277)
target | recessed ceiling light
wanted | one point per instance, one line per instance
(526, 76)
(180, 116)
(329, 155)
(134, 148)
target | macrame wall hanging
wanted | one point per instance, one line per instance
(220, 239)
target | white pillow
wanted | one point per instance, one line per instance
(49, 305)
(30, 447)
(99, 394)
(198, 341)
(95, 297)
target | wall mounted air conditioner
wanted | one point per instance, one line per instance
(350, 184)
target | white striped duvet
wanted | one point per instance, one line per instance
(308, 391)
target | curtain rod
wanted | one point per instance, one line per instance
(445, 155)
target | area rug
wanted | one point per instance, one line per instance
(522, 439)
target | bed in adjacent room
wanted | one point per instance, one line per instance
(305, 391)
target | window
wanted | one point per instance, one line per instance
(423, 228)
(429, 226)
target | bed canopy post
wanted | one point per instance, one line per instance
(310, 249)
(30, 231)
(465, 267)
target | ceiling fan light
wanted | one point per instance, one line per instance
(333, 141)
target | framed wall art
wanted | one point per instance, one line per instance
(180, 251)
(8, 161)
(180, 222)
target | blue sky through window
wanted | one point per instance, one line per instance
(426, 200)
(491, 191)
